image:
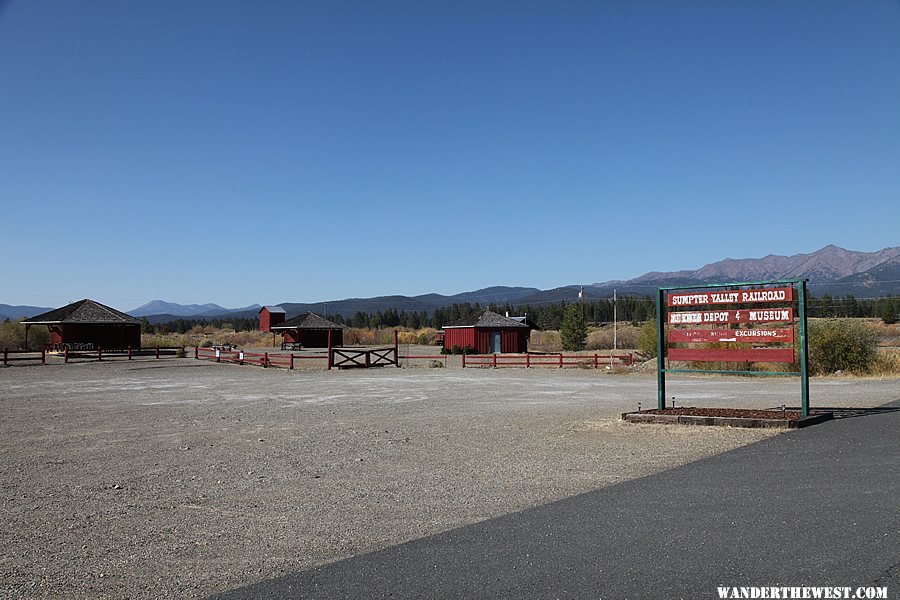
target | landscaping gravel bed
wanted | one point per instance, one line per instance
(180, 478)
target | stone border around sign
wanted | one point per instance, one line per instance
(642, 417)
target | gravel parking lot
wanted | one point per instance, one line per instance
(182, 478)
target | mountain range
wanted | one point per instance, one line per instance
(160, 307)
(831, 270)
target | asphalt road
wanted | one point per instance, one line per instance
(815, 507)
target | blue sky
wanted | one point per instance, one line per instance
(244, 152)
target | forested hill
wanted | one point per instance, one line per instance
(548, 315)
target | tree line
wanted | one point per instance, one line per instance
(549, 316)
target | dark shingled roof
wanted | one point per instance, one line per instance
(486, 319)
(85, 311)
(307, 321)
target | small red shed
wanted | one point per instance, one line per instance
(271, 315)
(88, 325)
(488, 333)
(309, 330)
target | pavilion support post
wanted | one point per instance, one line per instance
(330, 360)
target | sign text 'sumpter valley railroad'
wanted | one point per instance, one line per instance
(733, 297)
(769, 315)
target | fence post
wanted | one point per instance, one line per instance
(396, 345)
(196, 352)
(129, 352)
(157, 351)
(368, 359)
(43, 356)
(292, 362)
(527, 360)
(265, 360)
(560, 360)
(99, 353)
(495, 360)
(596, 365)
(65, 355)
(464, 360)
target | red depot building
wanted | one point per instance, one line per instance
(488, 333)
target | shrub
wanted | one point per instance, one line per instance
(841, 345)
(887, 363)
(12, 336)
(407, 337)
(602, 339)
(646, 338)
(359, 337)
(545, 341)
(462, 350)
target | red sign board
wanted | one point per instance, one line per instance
(732, 297)
(755, 336)
(712, 317)
(780, 355)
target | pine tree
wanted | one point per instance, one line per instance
(889, 311)
(573, 329)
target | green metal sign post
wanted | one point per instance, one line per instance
(736, 291)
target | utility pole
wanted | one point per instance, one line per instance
(581, 297)
(614, 320)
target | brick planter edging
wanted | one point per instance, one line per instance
(642, 417)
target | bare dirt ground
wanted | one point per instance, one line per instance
(181, 478)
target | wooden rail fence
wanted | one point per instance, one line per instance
(98, 353)
(546, 360)
(264, 359)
